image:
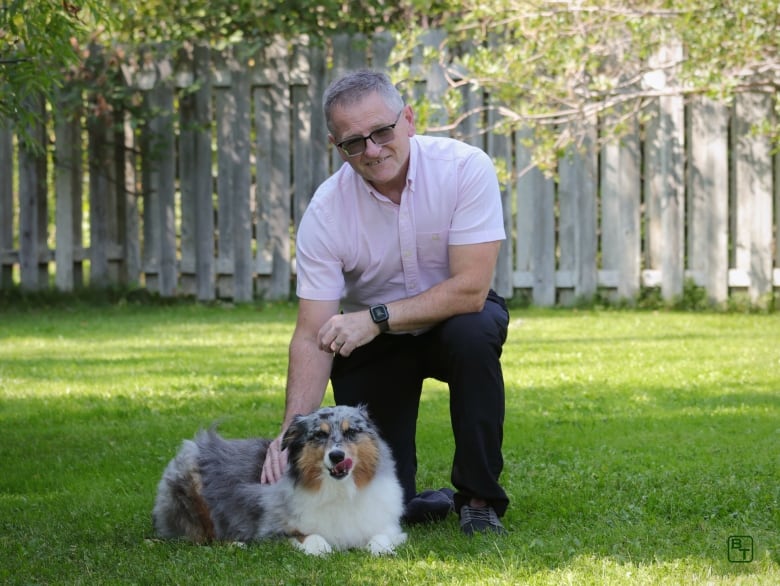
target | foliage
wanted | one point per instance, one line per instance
(45, 43)
(635, 444)
(39, 42)
(555, 66)
(220, 22)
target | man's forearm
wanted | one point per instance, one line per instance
(308, 372)
(464, 292)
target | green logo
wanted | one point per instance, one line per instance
(740, 549)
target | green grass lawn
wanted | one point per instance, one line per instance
(636, 444)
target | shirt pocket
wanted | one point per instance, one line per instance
(432, 249)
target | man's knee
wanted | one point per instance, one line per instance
(473, 334)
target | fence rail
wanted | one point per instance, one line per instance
(204, 197)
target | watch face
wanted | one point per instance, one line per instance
(379, 313)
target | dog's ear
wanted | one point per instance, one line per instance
(363, 410)
(294, 432)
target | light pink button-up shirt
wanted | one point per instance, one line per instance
(357, 246)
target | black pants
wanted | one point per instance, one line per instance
(464, 351)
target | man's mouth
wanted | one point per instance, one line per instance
(376, 162)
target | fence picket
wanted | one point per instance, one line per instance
(621, 240)
(33, 255)
(276, 105)
(6, 206)
(709, 197)
(535, 235)
(578, 223)
(68, 194)
(753, 173)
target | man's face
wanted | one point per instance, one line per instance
(383, 166)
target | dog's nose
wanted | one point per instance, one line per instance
(336, 456)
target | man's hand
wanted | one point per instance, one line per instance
(275, 462)
(342, 333)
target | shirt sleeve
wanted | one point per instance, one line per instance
(479, 215)
(318, 267)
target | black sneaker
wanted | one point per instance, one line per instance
(480, 520)
(430, 506)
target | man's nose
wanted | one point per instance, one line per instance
(372, 149)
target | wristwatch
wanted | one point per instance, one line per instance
(380, 316)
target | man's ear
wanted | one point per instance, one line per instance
(332, 140)
(409, 116)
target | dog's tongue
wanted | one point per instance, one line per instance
(343, 467)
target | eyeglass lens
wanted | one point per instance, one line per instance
(381, 136)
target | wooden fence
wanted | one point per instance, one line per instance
(203, 199)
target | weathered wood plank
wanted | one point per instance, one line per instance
(263, 108)
(431, 82)
(664, 155)
(272, 112)
(132, 188)
(320, 147)
(621, 239)
(536, 232)
(754, 194)
(197, 267)
(121, 236)
(500, 150)
(301, 103)
(577, 236)
(776, 279)
(382, 44)
(709, 197)
(202, 190)
(665, 170)
(33, 258)
(102, 186)
(68, 193)
(224, 110)
(348, 54)
(187, 166)
(243, 278)
(159, 178)
(6, 204)
(234, 221)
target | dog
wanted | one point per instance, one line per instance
(340, 490)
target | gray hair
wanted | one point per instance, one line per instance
(354, 86)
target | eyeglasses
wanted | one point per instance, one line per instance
(381, 136)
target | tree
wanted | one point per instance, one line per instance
(39, 41)
(219, 22)
(552, 66)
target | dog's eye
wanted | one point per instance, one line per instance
(321, 435)
(351, 433)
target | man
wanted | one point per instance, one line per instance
(395, 255)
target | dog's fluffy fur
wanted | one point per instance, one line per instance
(340, 490)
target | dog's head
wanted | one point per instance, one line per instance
(332, 444)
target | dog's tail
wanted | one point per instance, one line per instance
(180, 509)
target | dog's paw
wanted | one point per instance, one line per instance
(312, 545)
(383, 544)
